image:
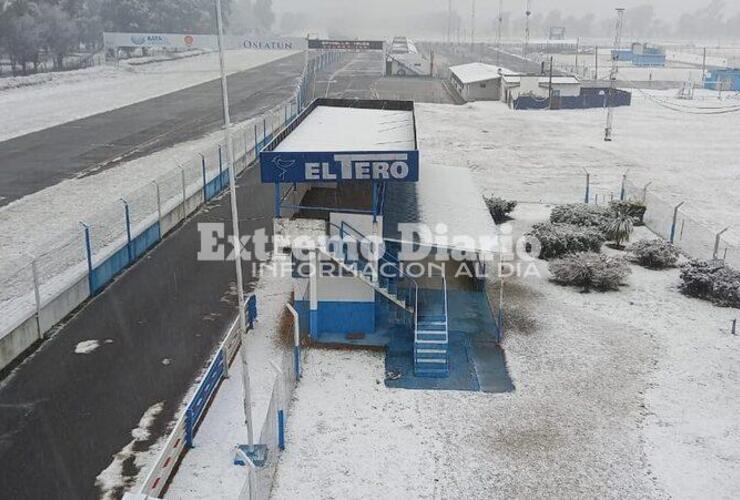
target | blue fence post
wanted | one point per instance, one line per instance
(128, 231)
(88, 250)
(189, 425)
(203, 168)
(281, 429)
(220, 169)
(297, 361)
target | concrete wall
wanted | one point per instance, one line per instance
(489, 90)
(18, 340)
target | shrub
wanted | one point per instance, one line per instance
(711, 280)
(635, 209)
(499, 208)
(654, 254)
(619, 228)
(590, 271)
(560, 239)
(580, 214)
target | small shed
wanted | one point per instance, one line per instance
(723, 79)
(478, 81)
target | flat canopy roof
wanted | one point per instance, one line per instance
(337, 129)
(478, 72)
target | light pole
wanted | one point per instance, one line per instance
(498, 32)
(250, 450)
(613, 77)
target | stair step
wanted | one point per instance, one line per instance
(431, 326)
(432, 372)
(434, 361)
(429, 342)
(432, 318)
(421, 350)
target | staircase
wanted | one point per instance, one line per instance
(387, 286)
(431, 342)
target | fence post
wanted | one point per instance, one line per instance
(675, 220)
(296, 341)
(280, 380)
(716, 242)
(588, 187)
(501, 311)
(37, 294)
(623, 191)
(184, 192)
(189, 426)
(159, 205)
(734, 327)
(256, 143)
(127, 213)
(203, 168)
(88, 250)
(644, 193)
(220, 169)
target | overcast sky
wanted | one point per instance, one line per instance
(667, 8)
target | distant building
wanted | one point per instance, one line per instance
(641, 54)
(478, 81)
(723, 79)
(533, 92)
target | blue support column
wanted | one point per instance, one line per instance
(189, 426)
(297, 361)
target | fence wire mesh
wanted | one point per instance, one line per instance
(64, 261)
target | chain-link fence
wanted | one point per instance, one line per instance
(258, 487)
(677, 222)
(111, 227)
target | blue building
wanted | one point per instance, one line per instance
(642, 55)
(723, 79)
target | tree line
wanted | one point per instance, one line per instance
(33, 32)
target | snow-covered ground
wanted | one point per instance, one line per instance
(541, 156)
(68, 96)
(629, 394)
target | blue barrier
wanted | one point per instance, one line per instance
(206, 389)
(103, 273)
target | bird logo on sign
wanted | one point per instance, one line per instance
(283, 166)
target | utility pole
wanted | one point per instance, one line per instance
(528, 13)
(235, 227)
(449, 21)
(549, 98)
(704, 65)
(472, 27)
(596, 60)
(498, 33)
(613, 77)
(578, 48)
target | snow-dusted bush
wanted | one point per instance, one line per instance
(590, 271)
(711, 280)
(557, 240)
(580, 214)
(633, 208)
(654, 254)
(499, 207)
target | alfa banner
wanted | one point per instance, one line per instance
(195, 41)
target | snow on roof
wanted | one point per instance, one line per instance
(478, 72)
(449, 196)
(559, 80)
(329, 128)
(512, 78)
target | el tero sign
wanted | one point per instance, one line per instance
(337, 167)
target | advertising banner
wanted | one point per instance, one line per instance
(195, 41)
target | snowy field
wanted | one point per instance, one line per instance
(541, 156)
(631, 394)
(68, 96)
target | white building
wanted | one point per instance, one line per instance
(478, 81)
(538, 87)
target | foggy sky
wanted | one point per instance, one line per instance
(670, 9)
(383, 17)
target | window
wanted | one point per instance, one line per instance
(482, 85)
